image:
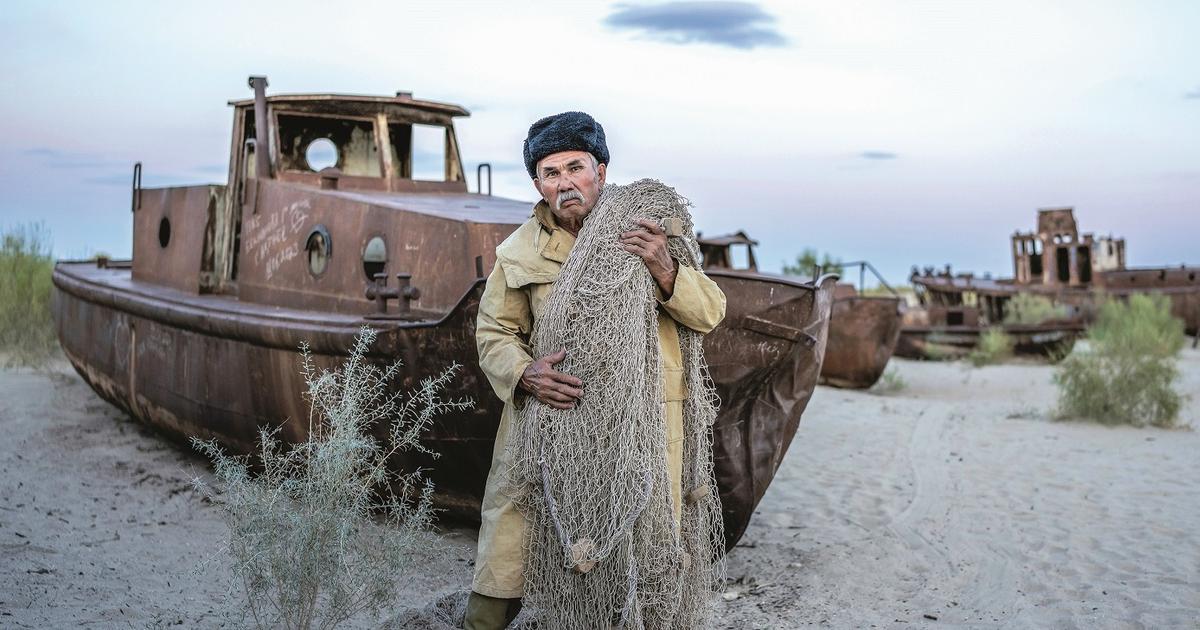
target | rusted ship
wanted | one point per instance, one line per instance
(940, 331)
(1071, 269)
(863, 330)
(198, 334)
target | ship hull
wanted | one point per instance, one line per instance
(956, 342)
(862, 337)
(213, 368)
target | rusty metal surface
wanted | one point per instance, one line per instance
(210, 367)
(1051, 340)
(432, 242)
(356, 104)
(181, 215)
(764, 381)
(862, 336)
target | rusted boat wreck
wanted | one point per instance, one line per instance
(198, 334)
(1070, 269)
(937, 330)
(863, 330)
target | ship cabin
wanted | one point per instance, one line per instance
(326, 201)
(733, 252)
(1058, 255)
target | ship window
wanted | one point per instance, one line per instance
(318, 247)
(1063, 260)
(374, 257)
(353, 140)
(321, 153)
(164, 232)
(429, 153)
(739, 256)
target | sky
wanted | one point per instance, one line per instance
(903, 133)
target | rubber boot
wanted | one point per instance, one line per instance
(490, 613)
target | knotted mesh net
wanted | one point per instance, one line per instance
(604, 548)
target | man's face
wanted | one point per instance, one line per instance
(570, 181)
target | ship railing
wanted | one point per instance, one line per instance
(479, 178)
(863, 267)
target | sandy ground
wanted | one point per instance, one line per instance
(954, 503)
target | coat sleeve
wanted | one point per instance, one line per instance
(501, 334)
(697, 301)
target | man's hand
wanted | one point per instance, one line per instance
(550, 386)
(650, 244)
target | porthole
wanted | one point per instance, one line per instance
(318, 248)
(164, 232)
(321, 153)
(374, 257)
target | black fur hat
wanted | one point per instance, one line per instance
(568, 131)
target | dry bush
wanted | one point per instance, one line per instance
(1127, 376)
(1026, 308)
(994, 346)
(26, 327)
(323, 531)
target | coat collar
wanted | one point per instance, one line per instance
(560, 242)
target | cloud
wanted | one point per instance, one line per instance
(56, 159)
(1194, 94)
(878, 155)
(741, 25)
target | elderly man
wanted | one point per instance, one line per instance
(567, 157)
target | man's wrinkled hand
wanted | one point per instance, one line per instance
(650, 244)
(550, 386)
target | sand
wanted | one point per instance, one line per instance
(954, 503)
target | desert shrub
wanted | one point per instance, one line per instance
(1128, 373)
(1027, 308)
(26, 328)
(994, 346)
(323, 531)
(1142, 325)
(891, 382)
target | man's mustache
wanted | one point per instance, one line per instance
(566, 196)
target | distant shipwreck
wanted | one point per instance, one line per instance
(1056, 262)
(863, 331)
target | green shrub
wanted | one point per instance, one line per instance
(807, 261)
(26, 327)
(890, 382)
(1142, 325)
(1027, 308)
(1128, 374)
(323, 531)
(994, 346)
(935, 351)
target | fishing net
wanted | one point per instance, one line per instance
(603, 547)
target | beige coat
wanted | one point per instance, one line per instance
(527, 264)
